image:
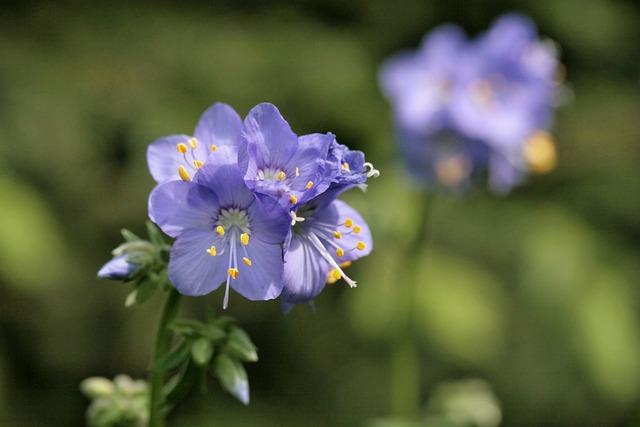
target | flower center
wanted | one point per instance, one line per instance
(233, 230)
(234, 218)
(271, 174)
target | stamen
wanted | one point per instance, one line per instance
(295, 218)
(333, 276)
(244, 239)
(327, 257)
(212, 251)
(193, 143)
(247, 261)
(356, 229)
(220, 230)
(281, 176)
(309, 185)
(214, 147)
(361, 246)
(182, 148)
(184, 175)
(345, 264)
(293, 199)
(371, 171)
(297, 171)
(197, 164)
(337, 234)
(345, 167)
(233, 272)
(348, 222)
(340, 252)
(540, 152)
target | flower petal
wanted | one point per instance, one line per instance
(307, 165)
(178, 206)
(191, 269)
(117, 269)
(219, 125)
(269, 138)
(336, 213)
(305, 272)
(164, 159)
(221, 175)
(263, 279)
(269, 221)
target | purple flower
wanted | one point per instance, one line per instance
(279, 164)
(223, 232)
(419, 84)
(327, 236)
(119, 268)
(178, 157)
(462, 108)
(506, 85)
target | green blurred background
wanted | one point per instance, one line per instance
(537, 293)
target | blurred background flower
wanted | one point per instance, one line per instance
(466, 108)
(536, 293)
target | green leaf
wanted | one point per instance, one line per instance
(178, 386)
(128, 235)
(232, 377)
(186, 327)
(154, 234)
(131, 298)
(201, 351)
(212, 332)
(175, 357)
(145, 291)
(240, 346)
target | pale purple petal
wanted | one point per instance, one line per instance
(219, 125)
(305, 271)
(336, 213)
(192, 270)
(222, 176)
(269, 221)
(263, 279)
(118, 269)
(164, 159)
(269, 138)
(178, 206)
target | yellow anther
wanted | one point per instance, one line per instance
(360, 246)
(340, 252)
(345, 264)
(345, 166)
(220, 230)
(212, 251)
(540, 152)
(182, 147)
(197, 164)
(247, 261)
(453, 169)
(233, 272)
(214, 147)
(309, 185)
(337, 234)
(193, 142)
(333, 276)
(293, 199)
(297, 171)
(280, 176)
(348, 222)
(244, 239)
(356, 229)
(184, 175)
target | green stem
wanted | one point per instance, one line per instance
(163, 341)
(405, 358)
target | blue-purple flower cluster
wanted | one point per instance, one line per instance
(254, 206)
(464, 108)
